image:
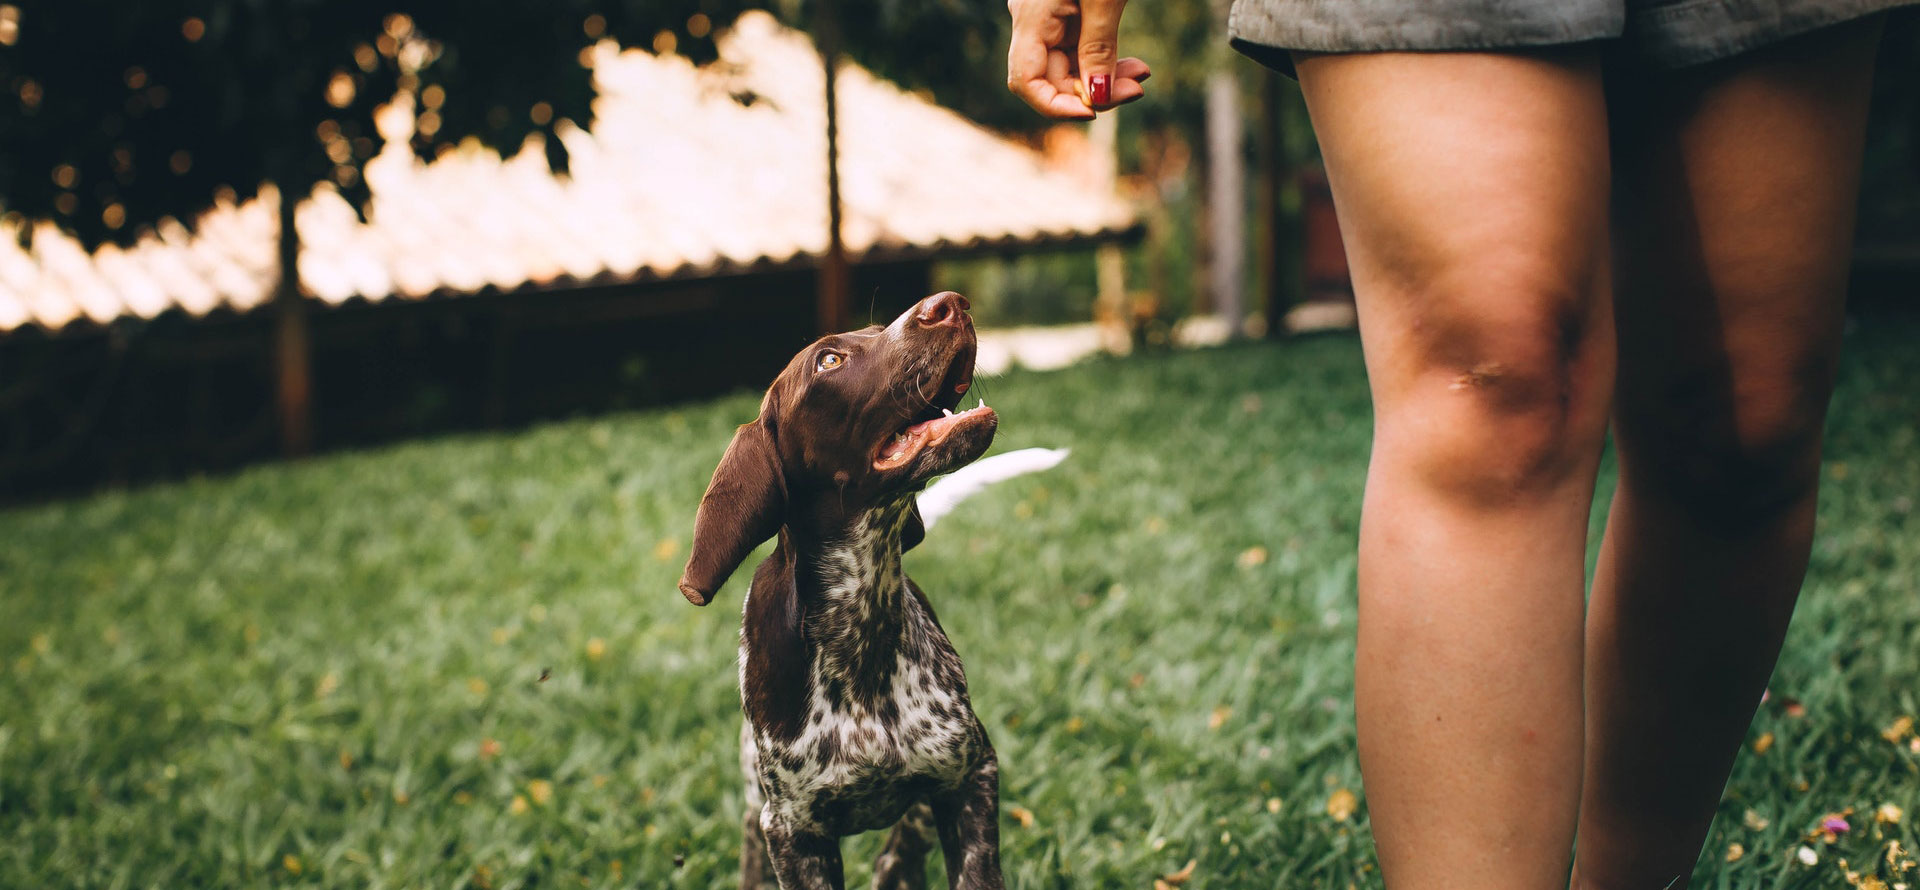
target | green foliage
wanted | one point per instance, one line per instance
(217, 682)
(117, 115)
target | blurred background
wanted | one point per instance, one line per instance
(513, 212)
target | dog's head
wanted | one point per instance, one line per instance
(856, 420)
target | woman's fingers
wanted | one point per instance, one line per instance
(1063, 59)
(1039, 70)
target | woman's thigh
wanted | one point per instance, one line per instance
(1736, 190)
(1472, 191)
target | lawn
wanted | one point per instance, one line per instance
(463, 662)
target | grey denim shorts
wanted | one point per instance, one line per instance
(1665, 33)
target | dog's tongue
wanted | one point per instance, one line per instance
(940, 425)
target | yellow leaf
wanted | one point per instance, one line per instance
(1341, 804)
(1021, 815)
(1181, 876)
(1761, 744)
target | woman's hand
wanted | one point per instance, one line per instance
(1064, 59)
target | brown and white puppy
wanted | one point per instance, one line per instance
(857, 714)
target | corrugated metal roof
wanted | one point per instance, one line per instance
(678, 178)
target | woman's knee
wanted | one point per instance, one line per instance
(1732, 446)
(1501, 381)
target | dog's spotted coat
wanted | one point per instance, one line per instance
(888, 717)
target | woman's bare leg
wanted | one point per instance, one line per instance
(1736, 186)
(1472, 191)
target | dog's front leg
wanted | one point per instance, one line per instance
(969, 821)
(801, 860)
(903, 862)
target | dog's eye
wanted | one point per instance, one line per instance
(828, 361)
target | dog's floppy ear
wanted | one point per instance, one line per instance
(914, 531)
(744, 505)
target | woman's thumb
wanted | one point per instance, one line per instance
(1099, 49)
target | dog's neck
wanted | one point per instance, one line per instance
(853, 594)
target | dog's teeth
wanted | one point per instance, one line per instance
(946, 412)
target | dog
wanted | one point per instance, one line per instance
(856, 706)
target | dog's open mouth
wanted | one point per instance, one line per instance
(908, 443)
(932, 426)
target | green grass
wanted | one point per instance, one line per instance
(291, 676)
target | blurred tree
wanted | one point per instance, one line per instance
(118, 115)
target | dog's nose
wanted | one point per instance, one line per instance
(944, 308)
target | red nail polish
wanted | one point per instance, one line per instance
(1100, 86)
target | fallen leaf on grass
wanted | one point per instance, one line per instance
(1889, 814)
(1754, 821)
(1341, 804)
(1761, 744)
(291, 863)
(1900, 729)
(1178, 877)
(1021, 815)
